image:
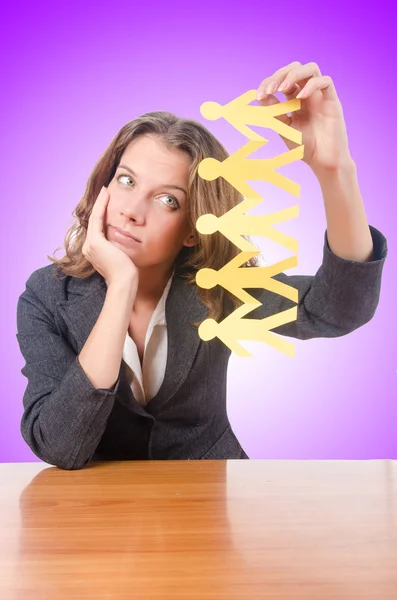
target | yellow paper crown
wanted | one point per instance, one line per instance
(235, 223)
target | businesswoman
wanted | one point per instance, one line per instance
(116, 369)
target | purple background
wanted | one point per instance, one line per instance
(73, 75)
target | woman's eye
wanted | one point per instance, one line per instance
(174, 201)
(120, 176)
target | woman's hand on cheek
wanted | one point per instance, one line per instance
(111, 262)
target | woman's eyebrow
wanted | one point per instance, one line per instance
(176, 187)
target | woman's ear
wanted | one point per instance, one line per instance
(190, 240)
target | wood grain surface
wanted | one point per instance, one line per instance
(205, 530)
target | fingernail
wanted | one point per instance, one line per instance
(271, 87)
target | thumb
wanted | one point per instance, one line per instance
(269, 101)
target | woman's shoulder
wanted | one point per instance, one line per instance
(46, 277)
(50, 284)
(45, 284)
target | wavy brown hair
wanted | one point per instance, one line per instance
(216, 197)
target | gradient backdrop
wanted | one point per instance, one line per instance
(73, 74)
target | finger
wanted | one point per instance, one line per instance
(99, 210)
(289, 95)
(284, 118)
(323, 83)
(299, 75)
(270, 84)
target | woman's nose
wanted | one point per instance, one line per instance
(136, 208)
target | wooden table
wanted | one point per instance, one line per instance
(199, 530)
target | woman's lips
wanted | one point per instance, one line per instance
(124, 235)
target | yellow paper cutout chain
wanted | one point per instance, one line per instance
(234, 328)
(239, 114)
(235, 279)
(234, 224)
(236, 168)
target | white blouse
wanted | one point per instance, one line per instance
(145, 381)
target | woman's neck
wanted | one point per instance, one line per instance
(152, 282)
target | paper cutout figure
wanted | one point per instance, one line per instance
(234, 278)
(234, 224)
(239, 114)
(236, 169)
(234, 328)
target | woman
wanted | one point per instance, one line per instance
(115, 366)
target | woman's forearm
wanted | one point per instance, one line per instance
(348, 232)
(101, 355)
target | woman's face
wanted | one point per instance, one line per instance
(144, 202)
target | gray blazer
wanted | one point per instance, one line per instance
(68, 422)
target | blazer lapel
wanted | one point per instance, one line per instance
(81, 309)
(183, 306)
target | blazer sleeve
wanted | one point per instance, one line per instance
(64, 414)
(342, 296)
